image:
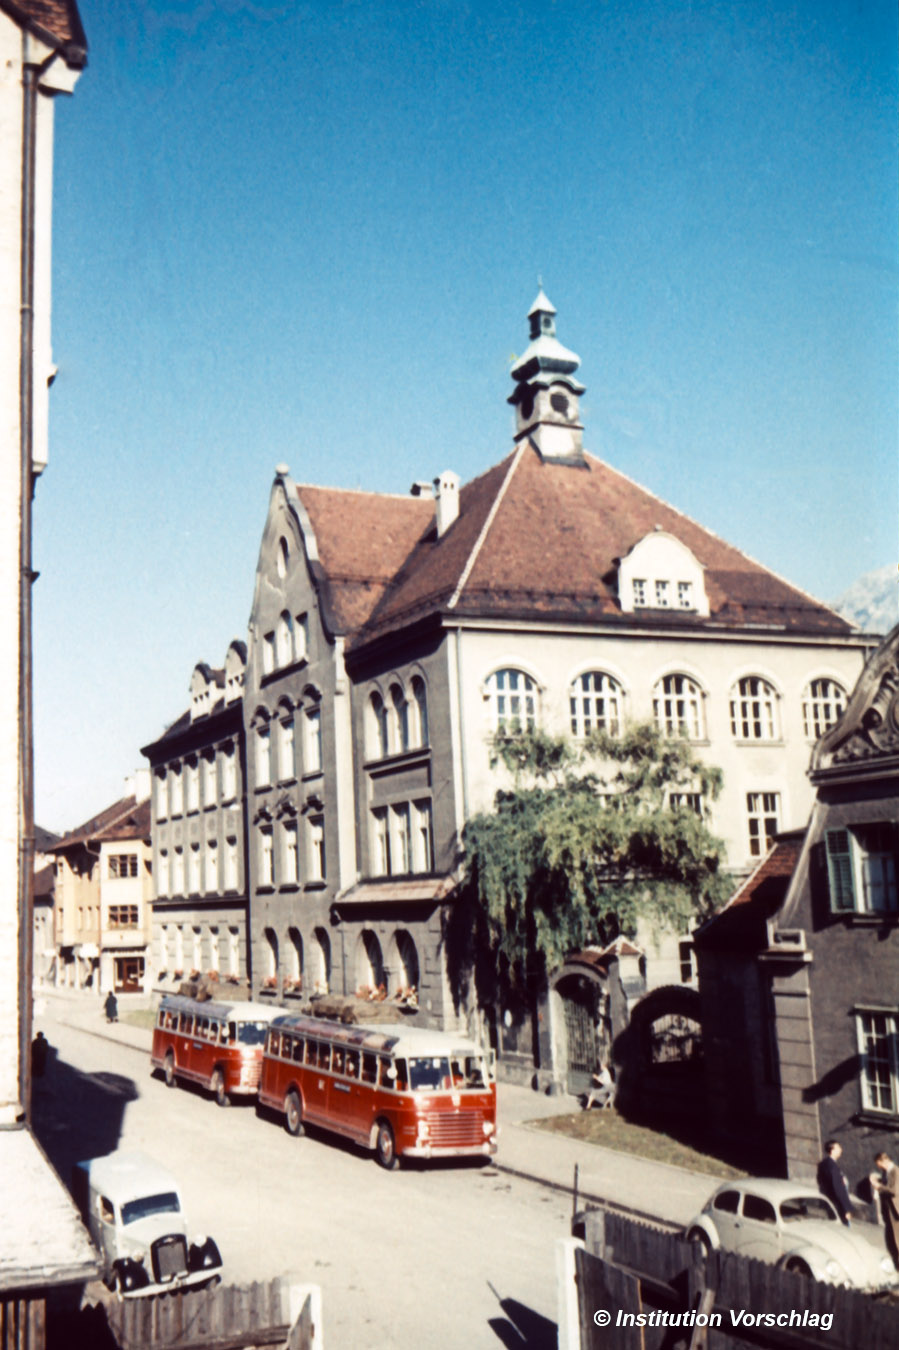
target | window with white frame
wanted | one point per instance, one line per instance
(291, 852)
(753, 710)
(229, 773)
(286, 753)
(193, 869)
(419, 731)
(178, 957)
(595, 701)
(512, 702)
(177, 790)
(295, 957)
(178, 872)
(399, 720)
(122, 865)
(230, 877)
(161, 795)
(210, 779)
(878, 1045)
(312, 761)
(284, 639)
(266, 857)
(378, 738)
(685, 598)
(663, 594)
(422, 839)
(677, 707)
(317, 858)
(192, 771)
(639, 589)
(164, 873)
(763, 815)
(271, 955)
(233, 951)
(861, 868)
(196, 949)
(211, 877)
(380, 842)
(690, 801)
(301, 637)
(400, 839)
(268, 654)
(823, 703)
(263, 756)
(321, 962)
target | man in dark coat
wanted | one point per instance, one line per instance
(832, 1182)
(887, 1186)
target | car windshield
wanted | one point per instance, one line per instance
(166, 1202)
(806, 1207)
(249, 1033)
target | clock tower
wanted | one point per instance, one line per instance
(546, 393)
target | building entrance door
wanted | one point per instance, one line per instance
(129, 974)
(583, 1041)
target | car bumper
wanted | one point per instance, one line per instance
(177, 1282)
(426, 1150)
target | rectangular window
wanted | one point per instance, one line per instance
(861, 868)
(685, 595)
(317, 860)
(209, 780)
(263, 756)
(691, 800)
(160, 797)
(193, 786)
(763, 812)
(122, 865)
(123, 916)
(211, 878)
(230, 877)
(878, 1044)
(291, 853)
(400, 840)
(266, 858)
(268, 653)
(639, 586)
(193, 869)
(662, 594)
(177, 791)
(286, 764)
(178, 872)
(423, 843)
(380, 843)
(300, 637)
(313, 746)
(229, 774)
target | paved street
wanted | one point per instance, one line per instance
(443, 1256)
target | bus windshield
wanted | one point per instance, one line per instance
(164, 1203)
(436, 1072)
(249, 1033)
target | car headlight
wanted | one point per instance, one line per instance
(833, 1270)
(887, 1266)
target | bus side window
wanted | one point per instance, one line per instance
(187, 1024)
(369, 1067)
(352, 1064)
(298, 1050)
(203, 1027)
(274, 1044)
(324, 1055)
(337, 1058)
(286, 1046)
(227, 1032)
(105, 1209)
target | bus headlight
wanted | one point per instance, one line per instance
(487, 1126)
(424, 1130)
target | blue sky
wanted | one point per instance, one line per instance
(311, 234)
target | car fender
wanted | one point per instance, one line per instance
(813, 1256)
(702, 1221)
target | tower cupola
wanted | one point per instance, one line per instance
(546, 391)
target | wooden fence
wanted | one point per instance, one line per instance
(634, 1271)
(226, 1317)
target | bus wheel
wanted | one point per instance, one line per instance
(169, 1070)
(218, 1089)
(293, 1109)
(385, 1147)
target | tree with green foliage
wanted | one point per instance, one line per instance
(585, 842)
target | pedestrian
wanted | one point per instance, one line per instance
(832, 1182)
(887, 1187)
(112, 1007)
(40, 1048)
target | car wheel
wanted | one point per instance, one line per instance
(797, 1267)
(293, 1110)
(702, 1240)
(218, 1089)
(385, 1147)
(169, 1070)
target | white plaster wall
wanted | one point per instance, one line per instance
(554, 658)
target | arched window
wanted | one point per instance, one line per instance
(822, 706)
(263, 755)
(753, 710)
(419, 732)
(283, 556)
(296, 957)
(595, 700)
(284, 639)
(286, 751)
(399, 710)
(378, 742)
(271, 954)
(320, 973)
(512, 698)
(405, 961)
(677, 707)
(369, 964)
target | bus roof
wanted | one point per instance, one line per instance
(238, 1011)
(395, 1038)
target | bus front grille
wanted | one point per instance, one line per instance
(455, 1129)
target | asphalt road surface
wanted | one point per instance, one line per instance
(446, 1255)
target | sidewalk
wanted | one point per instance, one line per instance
(656, 1192)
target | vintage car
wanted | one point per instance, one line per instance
(792, 1226)
(132, 1207)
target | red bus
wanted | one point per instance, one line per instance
(218, 1045)
(402, 1092)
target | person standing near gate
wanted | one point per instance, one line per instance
(887, 1187)
(832, 1182)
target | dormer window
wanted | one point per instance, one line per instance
(685, 595)
(660, 572)
(662, 593)
(639, 587)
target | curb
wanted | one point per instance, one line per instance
(596, 1201)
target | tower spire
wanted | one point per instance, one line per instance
(546, 391)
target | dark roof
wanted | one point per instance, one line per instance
(44, 881)
(741, 924)
(44, 839)
(533, 539)
(125, 819)
(56, 22)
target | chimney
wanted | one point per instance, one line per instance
(446, 495)
(137, 784)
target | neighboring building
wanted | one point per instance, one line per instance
(392, 638)
(42, 51)
(44, 929)
(199, 833)
(103, 895)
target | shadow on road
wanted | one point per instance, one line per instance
(522, 1328)
(78, 1115)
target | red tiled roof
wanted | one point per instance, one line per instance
(57, 20)
(533, 539)
(125, 819)
(742, 920)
